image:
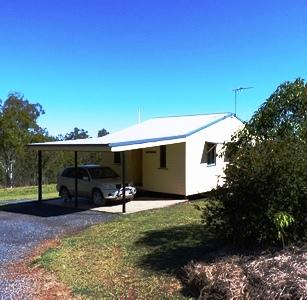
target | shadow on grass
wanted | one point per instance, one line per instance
(169, 250)
(172, 248)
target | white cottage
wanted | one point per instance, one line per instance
(175, 155)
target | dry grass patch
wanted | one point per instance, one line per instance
(279, 275)
(116, 260)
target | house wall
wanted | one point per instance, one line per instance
(107, 160)
(199, 176)
(172, 178)
(133, 165)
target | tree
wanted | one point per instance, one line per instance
(18, 127)
(282, 116)
(83, 157)
(77, 134)
(265, 192)
(102, 132)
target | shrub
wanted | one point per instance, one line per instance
(267, 174)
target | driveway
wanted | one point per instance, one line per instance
(25, 225)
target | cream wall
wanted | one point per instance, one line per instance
(133, 165)
(107, 160)
(199, 176)
(170, 180)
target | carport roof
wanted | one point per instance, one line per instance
(153, 132)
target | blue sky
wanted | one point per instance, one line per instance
(93, 63)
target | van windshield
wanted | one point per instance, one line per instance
(102, 172)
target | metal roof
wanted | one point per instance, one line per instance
(161, 130)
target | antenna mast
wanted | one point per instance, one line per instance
(239, 90)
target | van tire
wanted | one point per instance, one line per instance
(64, 193)
(97, 198)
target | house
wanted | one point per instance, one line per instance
(177, 155)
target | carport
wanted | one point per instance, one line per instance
(75, 147)
(120, 142)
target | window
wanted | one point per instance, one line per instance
(117, 158)
(102, 173)
(162, 157)
(211, 153)
(69, 172)
(81, 173)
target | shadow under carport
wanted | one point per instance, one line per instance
(83, 203)
(40, 209)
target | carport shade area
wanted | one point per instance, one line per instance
(75, 148)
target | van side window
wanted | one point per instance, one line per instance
(81, 173)
(69, 172)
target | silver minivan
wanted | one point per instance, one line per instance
(95, 182)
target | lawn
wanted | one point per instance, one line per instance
(137, 256)
(27, 193)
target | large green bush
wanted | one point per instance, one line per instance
(265, 191)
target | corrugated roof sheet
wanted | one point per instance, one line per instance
(156, 129)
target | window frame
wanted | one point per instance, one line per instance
(211, 154)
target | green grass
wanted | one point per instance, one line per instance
(27, 193)
(137, 256)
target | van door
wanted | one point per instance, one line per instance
(83, 182)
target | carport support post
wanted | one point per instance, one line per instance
(76, 179)
(124, 179)
(39, 165)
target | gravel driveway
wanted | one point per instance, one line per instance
(25, 225)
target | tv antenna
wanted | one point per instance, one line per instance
(239, 90)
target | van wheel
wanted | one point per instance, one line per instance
(64, 193)
(97, 198)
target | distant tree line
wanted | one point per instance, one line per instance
(19, 127)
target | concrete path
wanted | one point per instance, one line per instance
(140, 204)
